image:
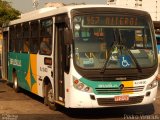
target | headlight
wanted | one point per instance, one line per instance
(81, 86)
(153, 84)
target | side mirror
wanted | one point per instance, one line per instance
(68, 36)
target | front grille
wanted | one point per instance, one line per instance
(110, 101)
(106, 77)
(118, 90)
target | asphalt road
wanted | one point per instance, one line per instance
(26, 106)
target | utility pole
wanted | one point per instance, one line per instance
(156, 10)
(35, 3)
(126, 2)
(109, 2)
(136, 3)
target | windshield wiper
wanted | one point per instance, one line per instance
(130, 53)
(135, 60)
(120, 47)
(110, 53)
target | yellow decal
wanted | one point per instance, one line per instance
(128, 87)
(34, 88)
(28, 77)
(33, 63)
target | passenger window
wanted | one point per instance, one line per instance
(12, 38)
(18, 38)
(46, 37)
(25, 37)
(34, 37)
(46, 27)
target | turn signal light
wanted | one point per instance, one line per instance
(76, 81)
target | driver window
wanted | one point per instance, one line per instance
(90, 47)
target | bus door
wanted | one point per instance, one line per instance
(4, 58)
(59, 59)
(59, 78)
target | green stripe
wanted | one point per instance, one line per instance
(102, 85)
(21, 62)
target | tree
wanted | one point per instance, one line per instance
(7, 12)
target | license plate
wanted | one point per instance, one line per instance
(121, 98)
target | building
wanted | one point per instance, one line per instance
(152, 6)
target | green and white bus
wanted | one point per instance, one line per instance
(100, 56)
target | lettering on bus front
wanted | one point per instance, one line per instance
(15, 62)
(140, 82)
(111, 20)
(93, 20)
(109, 85)
(122, 21)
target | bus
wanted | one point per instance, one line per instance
(83, 56)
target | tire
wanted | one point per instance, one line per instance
(49, 97)
(45, 94)
(15, 82)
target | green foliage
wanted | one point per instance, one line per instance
(7, 12)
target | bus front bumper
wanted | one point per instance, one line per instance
(79, 99)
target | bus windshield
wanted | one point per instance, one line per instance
(158, 39)
(158, 42)
(112, 42)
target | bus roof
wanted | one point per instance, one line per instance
(50, 11)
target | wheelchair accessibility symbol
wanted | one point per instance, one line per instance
(125, 61)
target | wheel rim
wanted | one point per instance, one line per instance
(50, 96)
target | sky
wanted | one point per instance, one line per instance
(26, 5)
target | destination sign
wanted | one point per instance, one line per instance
(112, 21)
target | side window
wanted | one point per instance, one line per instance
(34, 41)
(46, 26)
(25, 38)
(18, 38)
(12, 38)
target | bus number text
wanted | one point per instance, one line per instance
(43, 69)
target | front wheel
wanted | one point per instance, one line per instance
(15, 82)
(49, 97)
